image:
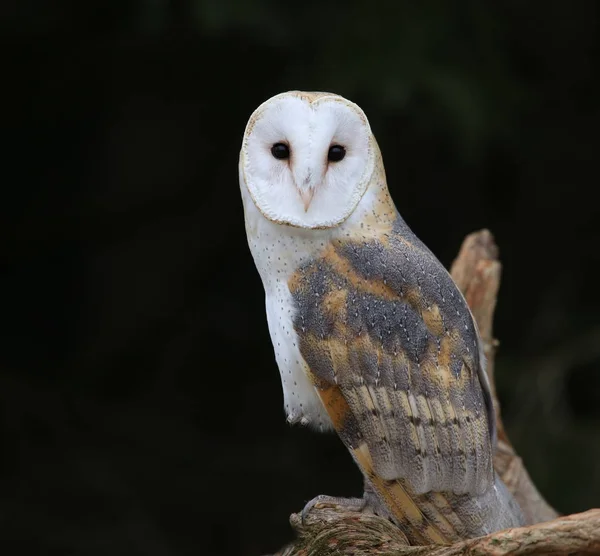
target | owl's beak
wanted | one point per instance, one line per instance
(306, 180)
(306, 195)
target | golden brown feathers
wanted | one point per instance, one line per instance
(394, 356)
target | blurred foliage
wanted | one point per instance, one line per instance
(140, 403)
(449, 58)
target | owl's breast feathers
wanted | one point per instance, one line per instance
(394, 355)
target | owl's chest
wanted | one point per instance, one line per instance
(277, 256)
(301, 401)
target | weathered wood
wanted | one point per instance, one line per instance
(329, 532)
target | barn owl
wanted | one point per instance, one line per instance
(371, 335)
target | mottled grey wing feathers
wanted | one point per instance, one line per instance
(384, 321)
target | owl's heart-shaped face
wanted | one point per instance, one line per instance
(307, 158)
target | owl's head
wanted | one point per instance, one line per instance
(307, 158)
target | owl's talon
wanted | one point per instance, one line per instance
(348, 504)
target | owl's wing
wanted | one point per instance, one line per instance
(394, 354)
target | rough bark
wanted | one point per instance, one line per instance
(331, 531)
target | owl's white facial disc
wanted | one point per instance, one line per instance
(307, 158)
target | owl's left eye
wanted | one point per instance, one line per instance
(280, 151)
(336, 153)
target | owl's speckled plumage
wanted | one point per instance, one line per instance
(371, 335)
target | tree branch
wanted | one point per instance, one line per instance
(330, 531)
(333, 531)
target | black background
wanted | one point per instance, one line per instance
(141, 407)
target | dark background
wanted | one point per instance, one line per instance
(141, 408)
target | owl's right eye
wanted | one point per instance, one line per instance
(280, 151)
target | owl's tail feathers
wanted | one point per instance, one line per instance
(422, 522)
(440, 517)
(494, 510)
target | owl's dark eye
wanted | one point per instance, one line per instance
(280, 151)
(336, 153)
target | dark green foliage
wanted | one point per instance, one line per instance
(141, 406)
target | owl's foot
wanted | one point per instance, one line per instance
(349, 504)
